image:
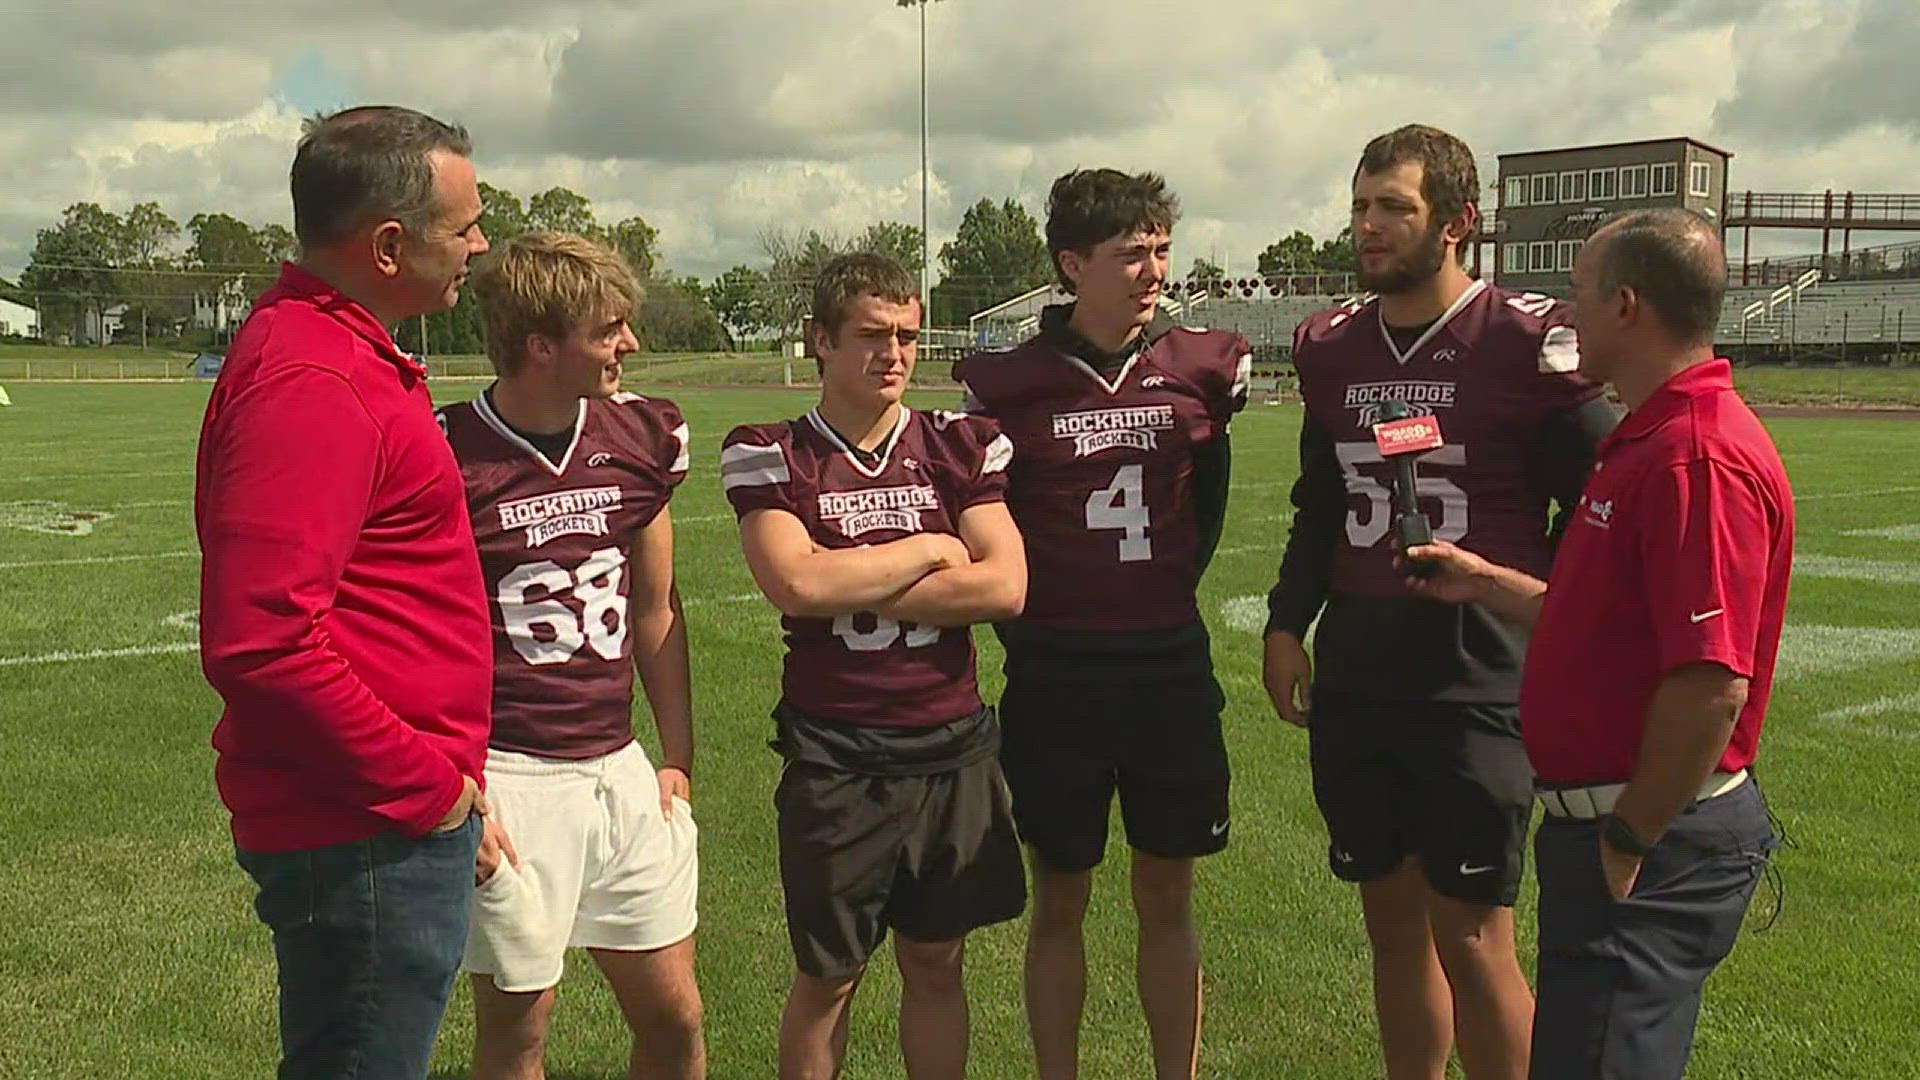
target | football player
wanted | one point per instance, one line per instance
(881, 533)
(1119, 484)
(588, 844)
(1412, 715)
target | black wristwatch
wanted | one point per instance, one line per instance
(1619, 836)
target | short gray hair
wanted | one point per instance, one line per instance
(1673, 259)
(369, 163)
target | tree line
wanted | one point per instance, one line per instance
(94, 260)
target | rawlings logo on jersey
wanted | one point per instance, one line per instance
(1422, 397)
(1102, 429)
(875, 509)
(579, 511)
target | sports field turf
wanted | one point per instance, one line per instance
(128, 948)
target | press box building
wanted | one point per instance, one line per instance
(1551, 200)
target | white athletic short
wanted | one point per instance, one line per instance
(600, 867)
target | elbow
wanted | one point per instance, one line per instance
(1733, 699)
(796, 598)
(1010, 599)
(236, 671)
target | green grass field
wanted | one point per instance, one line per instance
(128, 947)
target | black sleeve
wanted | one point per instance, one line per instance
(1564, 453)
(1212, 469)
(1319, 503)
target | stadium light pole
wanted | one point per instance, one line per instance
(926, 262)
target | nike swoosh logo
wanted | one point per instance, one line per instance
(1469, 871)
(1703, 616)
(1219, 828)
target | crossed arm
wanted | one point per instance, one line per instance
(930, 578)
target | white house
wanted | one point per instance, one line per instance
(222, 309)
(97, 327)
(18, 320)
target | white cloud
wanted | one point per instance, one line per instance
(716, 122)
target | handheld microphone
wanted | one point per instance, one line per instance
(1401, 437)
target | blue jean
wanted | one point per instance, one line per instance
(368, 936)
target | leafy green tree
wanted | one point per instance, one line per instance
(635, 240)
(75, 267)
(893, 238)
(995, 255)
(1294, 254)
(560, 210)
(738, 297)
(502, 217)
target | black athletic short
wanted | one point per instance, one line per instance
(1078, 726)
(910, 830)
(1446, 781)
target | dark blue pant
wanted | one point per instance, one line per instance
(368, 936)
(1619, 982)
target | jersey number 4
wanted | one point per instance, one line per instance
(546, 631)
(1366, 532)
(1122, 505)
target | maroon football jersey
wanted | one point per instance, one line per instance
(1101, 481)
(1492, 369)
(861, 668)
(555, 542)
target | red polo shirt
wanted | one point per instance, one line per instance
(1679, 553)
(342, 614)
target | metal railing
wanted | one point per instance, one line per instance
(1840, 207)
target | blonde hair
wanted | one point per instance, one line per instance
(546, 283)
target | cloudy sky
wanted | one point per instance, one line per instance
(716, 119)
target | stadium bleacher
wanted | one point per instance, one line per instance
(1812, 312)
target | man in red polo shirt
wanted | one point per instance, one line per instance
(342, 615)
(1651, 664)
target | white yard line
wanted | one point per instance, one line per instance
(702, 601)
(92, 476)
(1880, 571)
(1817, 496)
(101, 654)
(94, 559)
(1888, 532)
(1876, 707)
(1848, 719)
(1247, 614)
